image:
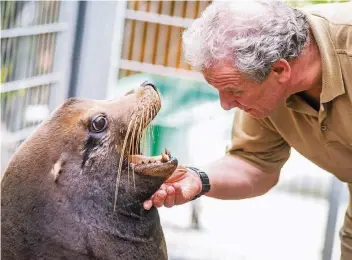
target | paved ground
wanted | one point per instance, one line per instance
(276, 226)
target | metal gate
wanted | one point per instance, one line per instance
(36, 48)
(147, 38)
(116, 38)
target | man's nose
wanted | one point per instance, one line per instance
(226, 102)
(226, 106)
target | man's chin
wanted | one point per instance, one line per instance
(258, 114)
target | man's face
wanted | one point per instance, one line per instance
(235, 90)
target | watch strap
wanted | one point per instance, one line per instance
(204, 180)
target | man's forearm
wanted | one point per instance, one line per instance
(233, 178)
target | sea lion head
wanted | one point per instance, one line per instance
(82, 173)
(104, 138)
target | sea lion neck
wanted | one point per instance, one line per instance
(129, 221)
(131, 198)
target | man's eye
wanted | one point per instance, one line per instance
(236, 93)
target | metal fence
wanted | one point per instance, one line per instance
(152, 34)
(36, 49)
(51, 47)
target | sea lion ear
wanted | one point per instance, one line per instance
(56, 170)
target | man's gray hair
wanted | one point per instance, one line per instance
(253, 34)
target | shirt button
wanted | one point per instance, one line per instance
(323, 127)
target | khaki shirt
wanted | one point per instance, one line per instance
(323, 137)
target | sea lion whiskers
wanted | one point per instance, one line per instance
(145, 131)
(152, 132)
(120, 163)
(152, 115)
(148, 130)
(134, 144)
(140, 129)
(139, 135)
(132, 147)
(135, 139)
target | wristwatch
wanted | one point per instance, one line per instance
(204, 179)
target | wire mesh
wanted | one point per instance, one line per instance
(28, 13)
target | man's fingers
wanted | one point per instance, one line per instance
(177, 187)
(159, 198)
(163, 187)
(170, 199)
(147, 204)
(179, 197)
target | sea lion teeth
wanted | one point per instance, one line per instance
(167, 152)
(164, 157)
(138, 159)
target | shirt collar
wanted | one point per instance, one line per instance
(332, 82)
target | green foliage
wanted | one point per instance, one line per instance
(300, 3)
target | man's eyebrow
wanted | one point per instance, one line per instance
(237, 88)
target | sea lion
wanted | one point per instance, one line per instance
(75, 187)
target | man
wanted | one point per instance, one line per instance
(289, 72)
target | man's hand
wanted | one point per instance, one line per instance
(182, 186)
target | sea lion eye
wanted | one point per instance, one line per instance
(98, 124)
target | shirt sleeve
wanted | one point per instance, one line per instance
(257, 142)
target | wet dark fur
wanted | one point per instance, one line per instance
(71, 216)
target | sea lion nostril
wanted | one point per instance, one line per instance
(147, 83)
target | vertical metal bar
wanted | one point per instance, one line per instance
(94, 66)
(336, 188)
(145, 28)
(179, 41)
(13, 18)
(116, 47)
(132, 41)
(82, 8)
(156, 37)
(3, 17)
(127, 31)
(168, 40)
(67, 12)
(16, 65)
(8, 14)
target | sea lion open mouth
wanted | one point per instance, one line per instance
(153, 166)
(148, 104)
(162, 165)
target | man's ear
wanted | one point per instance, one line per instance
(281, 70)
